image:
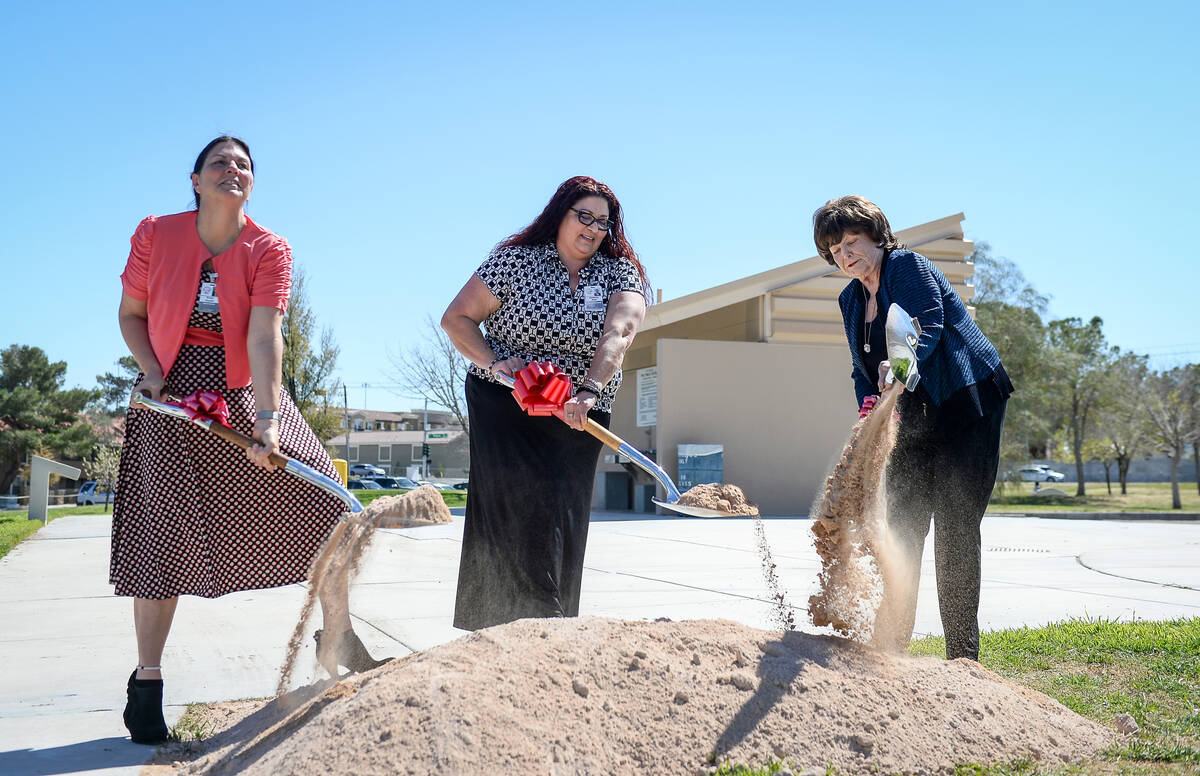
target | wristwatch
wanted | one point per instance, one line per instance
(268, 415)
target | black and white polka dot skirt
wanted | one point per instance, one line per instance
(193, 515)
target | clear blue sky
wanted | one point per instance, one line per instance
(396, 143)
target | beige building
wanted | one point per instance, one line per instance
(759, 366)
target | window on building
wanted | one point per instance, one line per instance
(416, 453)
(358, 424)
(353, 452)
(385, 452)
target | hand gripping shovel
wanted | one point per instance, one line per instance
(207, 418)
(541, 389)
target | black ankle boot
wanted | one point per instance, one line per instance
(143, 710)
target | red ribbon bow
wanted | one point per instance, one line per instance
(541, 388)
(206, 405)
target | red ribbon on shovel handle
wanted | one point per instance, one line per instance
(206, 405)
(541, 388)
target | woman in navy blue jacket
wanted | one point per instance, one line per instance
(948, 447)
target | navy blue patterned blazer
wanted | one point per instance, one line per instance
(952, 352)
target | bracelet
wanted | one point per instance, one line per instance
(267, 415)
(591, 384)
(583, 388)
(495, 361)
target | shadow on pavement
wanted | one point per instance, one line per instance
(74, 758)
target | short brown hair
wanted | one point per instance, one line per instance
(851, 214)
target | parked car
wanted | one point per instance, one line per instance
(459, 486)
(1039, 472)
(366, 470)
(88, 495)
(360, 484)
(397, 483)
(438, 485)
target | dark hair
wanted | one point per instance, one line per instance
(204, 155)
(851, 214)
(544, 228)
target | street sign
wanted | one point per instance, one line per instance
(439, 435)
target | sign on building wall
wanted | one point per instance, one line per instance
(647, 396)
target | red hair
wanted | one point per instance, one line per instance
(544, 228)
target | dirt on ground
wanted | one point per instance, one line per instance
(599, 696)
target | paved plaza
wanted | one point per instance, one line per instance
(67, 643)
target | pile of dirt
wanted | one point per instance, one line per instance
(603, 696)
(724, 498)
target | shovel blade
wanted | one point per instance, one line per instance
(691, 511)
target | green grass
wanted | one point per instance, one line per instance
(16, 525)
(1141, 497)
(453, 498)
(1099, 669)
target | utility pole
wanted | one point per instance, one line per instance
(425, 440)
(346, 413)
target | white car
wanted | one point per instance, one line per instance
(1039, 473)
(88, 495)
(365, 470)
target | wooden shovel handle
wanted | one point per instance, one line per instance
(245, 442)
(604, 435)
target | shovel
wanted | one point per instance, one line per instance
(902, 333)
(614, 442)
(290, 465)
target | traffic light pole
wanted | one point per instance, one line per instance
(425, 441)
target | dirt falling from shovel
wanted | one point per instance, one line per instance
(336, 565)
(850, 529)
(732, 500)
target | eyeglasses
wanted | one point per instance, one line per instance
(587, 219)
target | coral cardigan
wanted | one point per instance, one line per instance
(163, 270)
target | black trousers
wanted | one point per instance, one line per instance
(947, 478)
(527, 514)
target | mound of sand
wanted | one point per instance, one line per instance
(602, 696)
(423, 506)
(724, 498)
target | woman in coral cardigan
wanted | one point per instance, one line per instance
(204, 293)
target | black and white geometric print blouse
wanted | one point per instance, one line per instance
(541, 319)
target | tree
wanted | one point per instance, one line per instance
(1122, 423)
(1170, 402)
(1081, 361)
(35, 412)
(116, 388)
(103, 467)
(1009, 311)
(308, 370)
(434, 370)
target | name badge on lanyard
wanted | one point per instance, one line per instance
(593, 299)
(207, 301)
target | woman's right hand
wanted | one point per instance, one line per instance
(508, 366)
(152, 385)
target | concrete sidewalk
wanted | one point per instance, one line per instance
(67, 643)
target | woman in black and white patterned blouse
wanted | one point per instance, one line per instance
(568, 289)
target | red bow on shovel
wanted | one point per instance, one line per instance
(541, 388)
(206, 405)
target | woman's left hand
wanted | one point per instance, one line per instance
(575, 411)
(266, 433)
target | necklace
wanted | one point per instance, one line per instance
(866, 324)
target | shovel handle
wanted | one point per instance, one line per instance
(245, 442)
(604, 435)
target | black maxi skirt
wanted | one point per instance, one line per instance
(527, 511)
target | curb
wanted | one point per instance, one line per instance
(1101, 515)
